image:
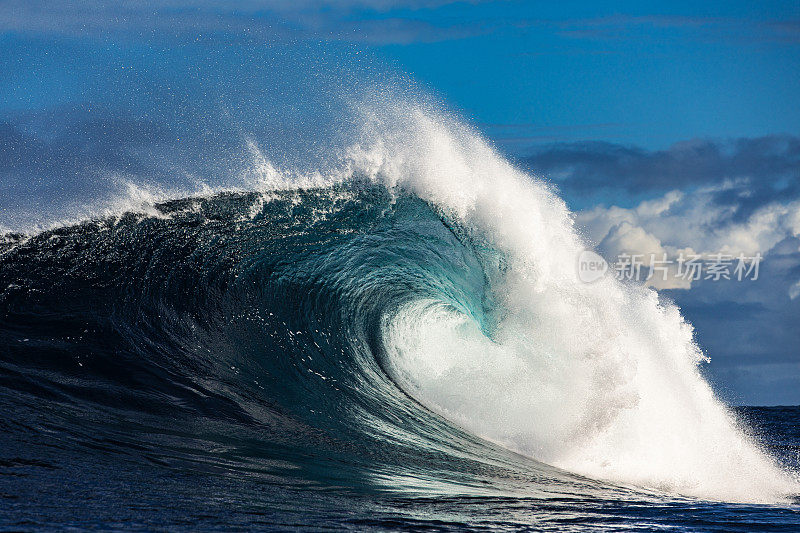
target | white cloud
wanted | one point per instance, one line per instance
(794, 290)
(625, 238)
(693, 223)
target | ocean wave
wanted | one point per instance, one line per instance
(409, 318)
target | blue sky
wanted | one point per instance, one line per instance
(621, 73)
(667, 127)
(528, 72)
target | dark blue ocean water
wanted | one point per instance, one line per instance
(221, 366)
(106, 483)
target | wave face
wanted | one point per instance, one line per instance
(409, 321)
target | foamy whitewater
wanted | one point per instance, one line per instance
(599, 379)
(406, 317)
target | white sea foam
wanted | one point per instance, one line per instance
(600, 379)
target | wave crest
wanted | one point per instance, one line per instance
(423, 272)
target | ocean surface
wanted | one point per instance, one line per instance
(360, 356)
(244, 294)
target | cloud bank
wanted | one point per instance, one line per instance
(771, 163)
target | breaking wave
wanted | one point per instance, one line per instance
(407, 316)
